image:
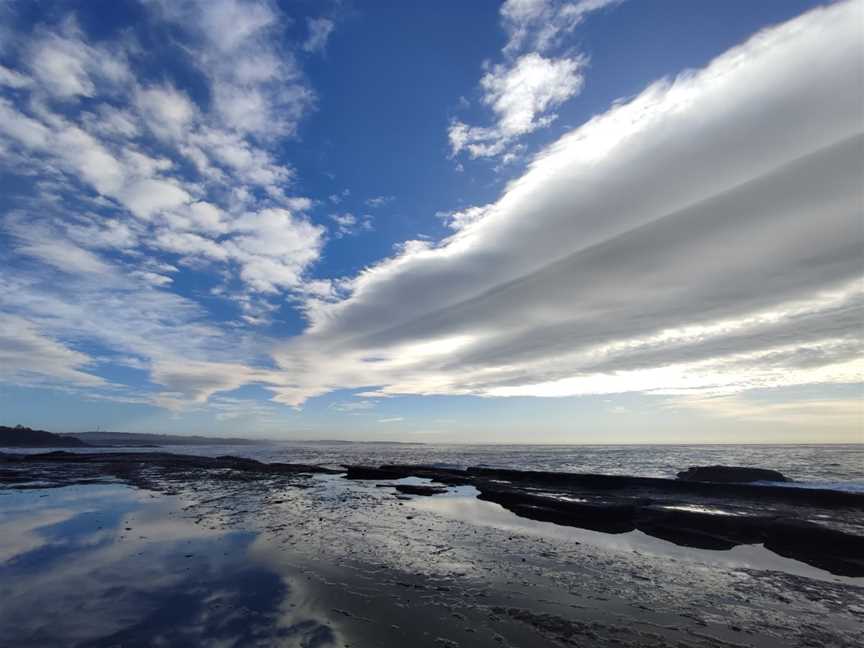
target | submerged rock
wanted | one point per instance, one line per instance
(731, 474)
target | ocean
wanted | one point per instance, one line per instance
(834, 466)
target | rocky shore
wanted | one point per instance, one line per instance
(402, 555)
(822, 528)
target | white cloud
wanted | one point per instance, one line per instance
(167, 111)
(132, 315)
(522, 95)
(112, 122)
(461, 219)
(228, 25)
(188, 381)
(348, 224)
(69, 68)
(344, 220)
(220, 216)
(380, 201)
(524, 90)
(152, 278)
(13, 79)
(102, 233)
(64, 255)
(354, 406)
(207, 216)
(83, 154)
(319, 32)
(146, 197)
(43, 243)
(249, 163)
(28, 357)
(19, 127)
(256, 85)
(540, 24)
(274, 248)
(113, 191)
(61, 65)
(189, 244)
(131, 180)
(683, 241)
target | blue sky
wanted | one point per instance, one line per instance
(528, 221)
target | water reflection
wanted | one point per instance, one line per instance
(107, 566)
(461, 503)
(111, 565)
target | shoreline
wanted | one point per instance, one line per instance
(277, 555)
(819, 527)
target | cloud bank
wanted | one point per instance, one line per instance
(702, 237)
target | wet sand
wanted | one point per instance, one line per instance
(223, 555)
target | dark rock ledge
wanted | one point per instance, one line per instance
(823, 528)
(153, 470)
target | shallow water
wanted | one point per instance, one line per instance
(108, 565)
(461, 503)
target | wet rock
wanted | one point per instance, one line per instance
(143, 469)
(829, 549)
(601, 515)
(418, 489)
(735, 474)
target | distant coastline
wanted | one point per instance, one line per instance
(25, 437)
(143, 439)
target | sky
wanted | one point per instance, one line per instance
(530, 221)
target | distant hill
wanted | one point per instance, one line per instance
(133, 439)
(347, 442)
(24, 437)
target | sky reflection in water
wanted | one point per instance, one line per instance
(461, 503)
(111, 566)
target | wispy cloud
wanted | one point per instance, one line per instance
(29, 357)
(525, 89)
(319, 33)
(354, 406)
(379, 201)
(348, 224)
